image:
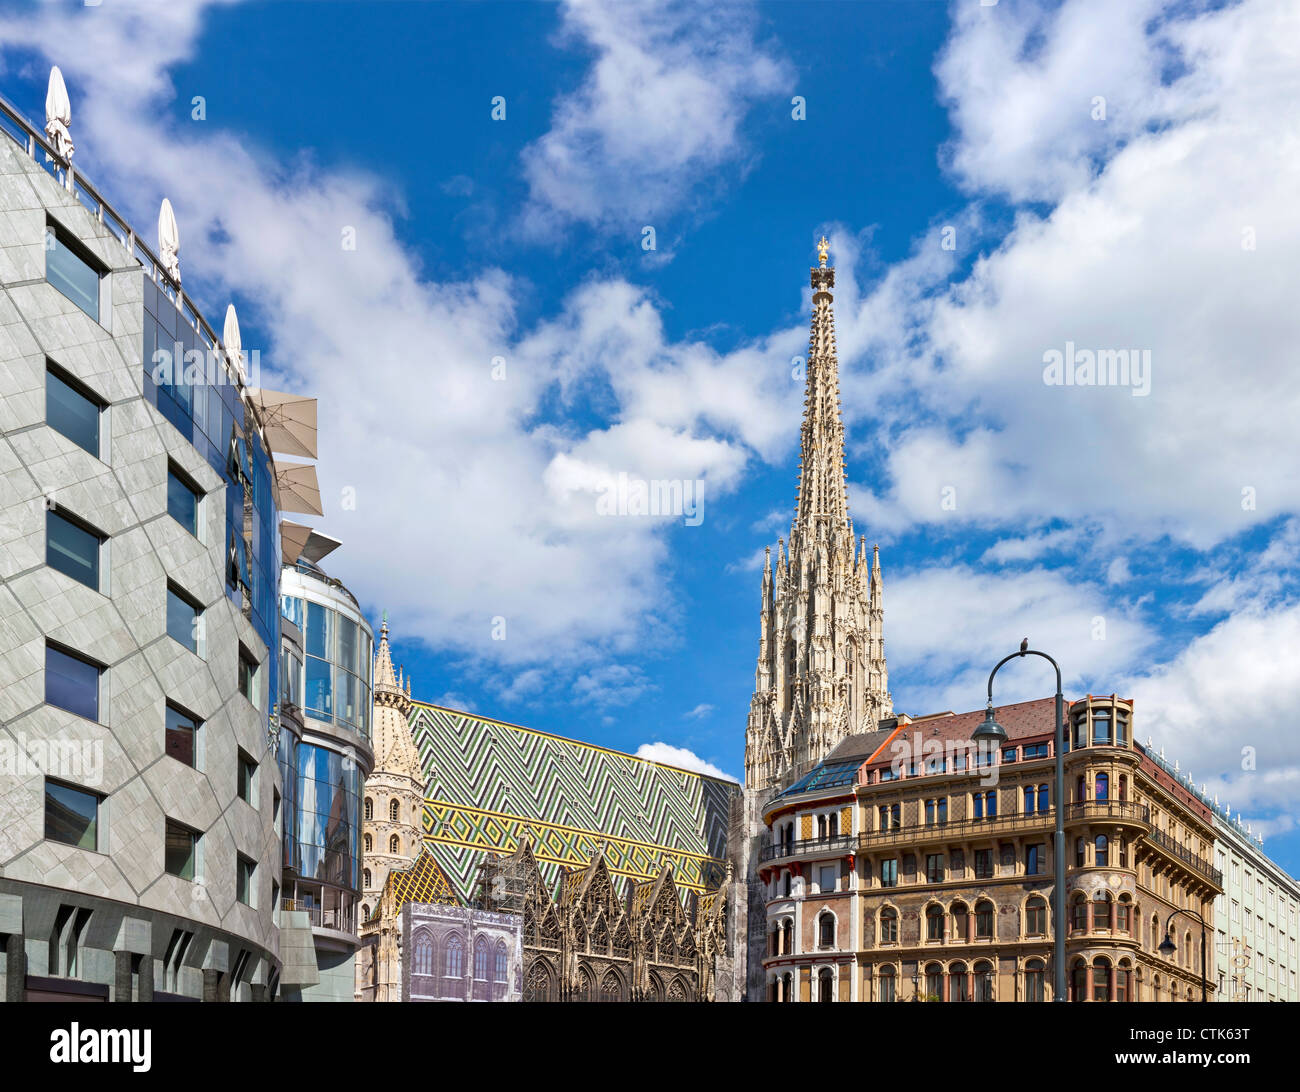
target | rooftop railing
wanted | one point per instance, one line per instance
(33, 143)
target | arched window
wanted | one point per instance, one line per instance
(825, 985)
(1101, 787)
(984, 981)
(369, 843)
(957, 985)
(1080, 853)
(1122, 914)
(365, 878)
(1036, 917)
(1079, 913)
(422, 959)
(454, 962)
(888, 925)
(960, 922)
(1155, 932)
(1102, 847)
(394, 810)
(1079, 981)
(370, 808)
(394, 844)
(480, 959)
(1124, 982)
(1044, 799)
(934, 923)
(787, 936)
(503, 964)
(886, 990)
(984, 916)
(786, 884)
(1123, 786)
(611, 987)
(365, 912)
(1101, 903)
(1101, 980)
(933, 982)
(787, 987)
(826, 930)
(1034, 981)
(1081, 789)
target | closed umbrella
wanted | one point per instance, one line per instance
(58, 115)
(234, 346)
(169, 241)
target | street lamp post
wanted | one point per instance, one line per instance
(992, 733)
(1168, 948)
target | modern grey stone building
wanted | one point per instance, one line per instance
(142, 804)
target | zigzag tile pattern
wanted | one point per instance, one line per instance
(490, 782)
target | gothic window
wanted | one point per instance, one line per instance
(369, 843)
(539, 984)
(370, 808)
(611, 987)
(365, 912)
(394, 844)
(393, 810)
(502, 962)
(656, 992)
(454, 963)
(365, 878)
(677, 991)
(422, 960)
(600, 937)
(481, 960)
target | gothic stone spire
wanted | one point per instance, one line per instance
(821, 667)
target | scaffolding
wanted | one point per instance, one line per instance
(501, 885)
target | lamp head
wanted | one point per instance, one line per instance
(1167, 946)
(990, 731)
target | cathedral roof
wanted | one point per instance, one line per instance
(490, 782)
(424, 881)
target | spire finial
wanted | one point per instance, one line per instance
(823, 252)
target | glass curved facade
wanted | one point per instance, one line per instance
(328, 806)
(336, 667)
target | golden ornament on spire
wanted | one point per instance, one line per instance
(823, 251)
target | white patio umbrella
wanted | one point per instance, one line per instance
(169, 241)
(58, 115)
(234, 346)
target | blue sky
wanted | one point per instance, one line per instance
(1111, 174)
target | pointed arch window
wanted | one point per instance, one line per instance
(369, 843)
(422, 959)
(454, 961)
(503, 962)
(481, 960)
(826, 930)
(370, 808)
(394, 810)
(394, 844)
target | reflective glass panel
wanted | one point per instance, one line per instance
(72, 550)
(70, 412)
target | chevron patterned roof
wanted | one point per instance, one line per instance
(489, 782)
(424, 882)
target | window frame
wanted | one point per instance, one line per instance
(71, 654)
(78, 250)
(97, 822)
(185, 481)
(175, 591)
(61, 375)
(54, 511)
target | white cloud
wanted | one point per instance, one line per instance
(1228, 701)
(700, 711)
(659, 113)
(680, 757)
(1031, 547)
(1146, 247)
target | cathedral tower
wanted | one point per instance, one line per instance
(821, 654)
(394, 792)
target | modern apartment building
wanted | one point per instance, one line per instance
(141, 542)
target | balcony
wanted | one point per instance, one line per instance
(959, 830)
(1122, 811)
(1184, 855)
(835, 844)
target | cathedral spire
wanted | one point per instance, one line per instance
(823, 505)
(821, 661)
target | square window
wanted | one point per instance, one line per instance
(70, 272)
(245, 874)
(182, 501)
(889, 872)
(72, 410)
(72, 683)
(181, 849)
(183, 619)
(248, 676)
(984, 864)
(246, 779)
(72, 549)
(182, 736)
(826, 881)
(71, 816)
